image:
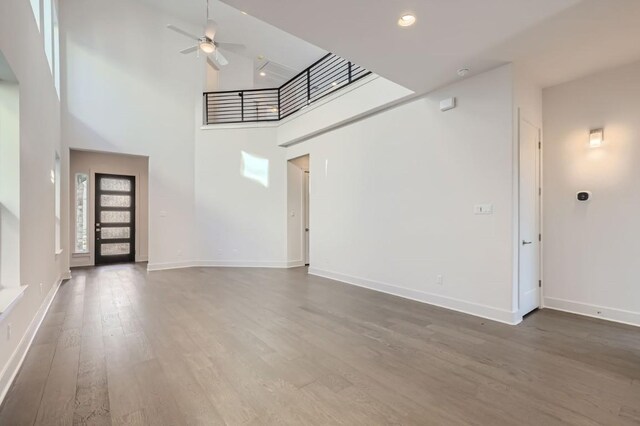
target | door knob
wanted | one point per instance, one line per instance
(524, 243)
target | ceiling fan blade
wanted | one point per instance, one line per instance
(189, 50)
(232, 47)
(210, 29)
(219, 58)
(213, 63)
(183, 32)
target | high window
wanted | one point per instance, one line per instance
(35, 7)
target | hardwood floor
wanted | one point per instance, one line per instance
(269, 346)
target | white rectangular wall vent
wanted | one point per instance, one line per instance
(447, 104)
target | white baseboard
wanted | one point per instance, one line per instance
(66, 275)
(170, 265)
(15, 362)
(241, 264)
(594, 311)
(495, 314)
(295, 263)
(221, 264)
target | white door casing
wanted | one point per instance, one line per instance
(529, 218)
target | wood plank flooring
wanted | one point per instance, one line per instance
(121, 346)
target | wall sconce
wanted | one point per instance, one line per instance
(596, 137)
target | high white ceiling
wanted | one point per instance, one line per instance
(260, 39)
(557, 40)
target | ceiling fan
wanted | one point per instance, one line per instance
(208, 44)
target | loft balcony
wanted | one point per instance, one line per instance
(328, 75)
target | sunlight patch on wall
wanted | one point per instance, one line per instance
(255, 168)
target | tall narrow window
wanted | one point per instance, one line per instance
(47, 29)
(82, 190)
(35, 7)
(56, 181)
(56, 47)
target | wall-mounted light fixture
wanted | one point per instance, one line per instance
(596, 137)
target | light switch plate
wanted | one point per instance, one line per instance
(483, 209)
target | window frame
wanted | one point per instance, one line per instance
(85, 213)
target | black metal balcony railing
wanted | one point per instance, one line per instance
(329, 74)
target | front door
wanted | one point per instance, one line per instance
(115, 219)
(529, 242)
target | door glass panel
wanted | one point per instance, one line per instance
(114, 249)
(115, 200)
(112, 184)
(115, 217)
(115, 233)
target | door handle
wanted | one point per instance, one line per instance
(524, 243)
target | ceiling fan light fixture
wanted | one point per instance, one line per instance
(407, 20)
(207, 46)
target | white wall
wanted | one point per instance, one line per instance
(591, 249)
(22, 45)
(90, 163)
(393, 195)
(126, 94)
(369, 93)
(241, 199)
(9, 183)
(392, 198)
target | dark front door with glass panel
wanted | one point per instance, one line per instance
(115, 219)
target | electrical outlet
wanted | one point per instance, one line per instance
(439, 280)
(9, 331)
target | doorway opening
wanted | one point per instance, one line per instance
(529, 281)
(298, 211)
(109, 205)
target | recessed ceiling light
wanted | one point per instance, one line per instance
(463, 71)
(263, 74)
(243, 12)
(407, 20)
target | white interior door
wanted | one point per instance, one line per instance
(306, 217)
(529, 253)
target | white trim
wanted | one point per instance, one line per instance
(295, 263)
(253, 125)
(66, 275)
(240, 264)
(169, 265)
(221, 264)
(489, 312)
(10, 371)
(9, 296)
(593, 311)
